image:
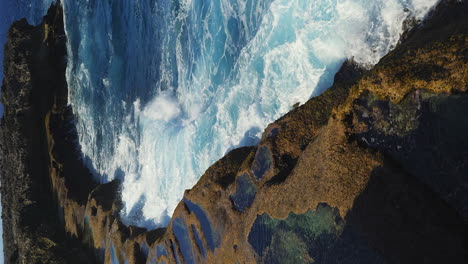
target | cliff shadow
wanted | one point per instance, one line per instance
(405, 221)
(395, 219)
(426, 135)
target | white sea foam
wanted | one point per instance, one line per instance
(162, 107)
(219, 72)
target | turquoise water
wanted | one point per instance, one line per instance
(317, 236)
(161, 89)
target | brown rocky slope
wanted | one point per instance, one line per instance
(375, 170)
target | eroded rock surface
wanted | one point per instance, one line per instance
(375, 170)
(34, 80)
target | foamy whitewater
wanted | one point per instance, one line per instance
(162, 89)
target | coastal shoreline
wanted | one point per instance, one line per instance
(361, 160)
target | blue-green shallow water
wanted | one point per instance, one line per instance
(317, 236)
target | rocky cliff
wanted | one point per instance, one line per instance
(34, 82)
(375, 170)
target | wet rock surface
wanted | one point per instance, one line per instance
(372, 171)
(245, 193)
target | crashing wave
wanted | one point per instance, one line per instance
(163, 88)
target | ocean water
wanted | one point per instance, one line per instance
(161, 89)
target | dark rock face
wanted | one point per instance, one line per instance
(406, 221)
(375, 170)
(425, 136)
(35, 61)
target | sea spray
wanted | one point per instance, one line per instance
(162, 88)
